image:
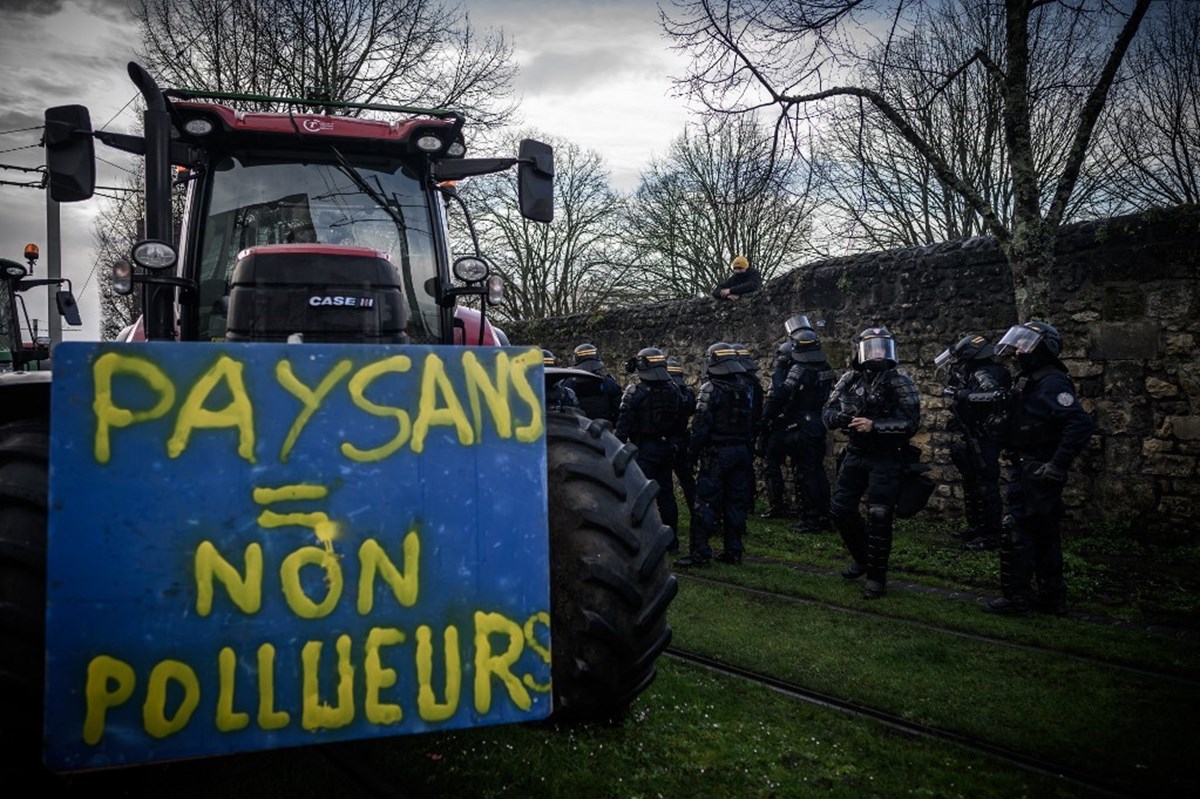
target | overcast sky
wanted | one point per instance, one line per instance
(595, 72)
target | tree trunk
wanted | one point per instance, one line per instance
(1030, 254)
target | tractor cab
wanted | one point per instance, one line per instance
(297, 225)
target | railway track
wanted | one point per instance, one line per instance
(1093, 784)
(951, 631)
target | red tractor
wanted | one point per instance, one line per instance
(319, 242)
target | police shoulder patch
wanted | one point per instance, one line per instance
(1066, 399)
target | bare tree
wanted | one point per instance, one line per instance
(797, 56)
(571, 265)
(415, 52)
(117, 227)
(1156, 142)
(718, 193)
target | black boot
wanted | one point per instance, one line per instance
(874, 589)
(853, 571)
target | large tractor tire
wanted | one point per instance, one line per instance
(24, 484)
(609, 582)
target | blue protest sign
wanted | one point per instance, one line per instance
(265, 545)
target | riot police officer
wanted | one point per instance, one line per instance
(682, 465)
(598, 399)
(975, 381)
(652, 409)
(770, 441)
(793, 416)
(721, 439)
(879, 408)
(1047, 429)
(559, 395)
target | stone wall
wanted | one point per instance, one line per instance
(1128, 290)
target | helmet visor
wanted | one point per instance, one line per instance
(877, 349)
(943, 359)
(797, 322)
(1019, 339)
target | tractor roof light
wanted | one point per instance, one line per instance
(122, 277)
(495, 290)
(13, 269)
(470, 269)
(198, 126)
(154, 255)
(428, 143)
(31, 252)
(456, 150)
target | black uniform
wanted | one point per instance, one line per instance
(977, 422)
(873, 463)
(1049, 426)
(797, 432)
(1046, 430)
(721, 441)
(650, 417)
(599, 398)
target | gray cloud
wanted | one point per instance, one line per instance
(41, 8)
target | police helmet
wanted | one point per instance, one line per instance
(548, 358)
(675, 368)
(971, 347)
(797, 323)
(1025, 339)
(806, 347)
(652, 364)
(743, 353)
(875, 349)
(587, 358)
(722, 359)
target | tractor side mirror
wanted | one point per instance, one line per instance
(535, 180)
(67, 307)
(70, 153)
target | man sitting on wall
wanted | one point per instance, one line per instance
(744, 280)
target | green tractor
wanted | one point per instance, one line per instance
(308, 497)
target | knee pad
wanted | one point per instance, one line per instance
(879, 515)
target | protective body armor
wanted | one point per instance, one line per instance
(724, 412)
(651, 409)
(1047, 421)
(598, 399)
(807, 387)
(889, 398)
(981, 405)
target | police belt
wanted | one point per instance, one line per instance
(875, 447)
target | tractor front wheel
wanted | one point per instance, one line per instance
(609, 583)
(24, 483)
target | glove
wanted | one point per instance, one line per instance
(631, 366)
(1049, 472)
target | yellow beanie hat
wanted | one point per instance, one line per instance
(740, 263)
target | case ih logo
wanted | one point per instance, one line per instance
(342, 302)
(316, 125)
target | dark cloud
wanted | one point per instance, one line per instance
(40, 8)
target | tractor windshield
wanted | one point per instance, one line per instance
(257, 200)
